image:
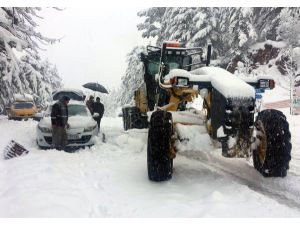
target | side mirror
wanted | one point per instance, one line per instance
(38, 116)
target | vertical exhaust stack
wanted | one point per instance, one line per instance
(208, 55)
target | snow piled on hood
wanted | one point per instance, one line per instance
(74, 121)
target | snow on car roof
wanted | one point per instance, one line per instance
(77, 91)
(23, 97)
(71, 102)
(75, 94)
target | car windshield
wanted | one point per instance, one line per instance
(74, 110)
(23, 105)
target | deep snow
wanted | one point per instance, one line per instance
(110, 179)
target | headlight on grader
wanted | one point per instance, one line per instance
(266, 84)
(182, 81)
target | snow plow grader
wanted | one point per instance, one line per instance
(174, 77)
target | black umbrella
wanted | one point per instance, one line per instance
(95, 87)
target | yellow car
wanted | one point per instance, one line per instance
(22, 110)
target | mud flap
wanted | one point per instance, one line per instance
(13, 149)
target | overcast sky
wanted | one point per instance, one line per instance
(94, 45)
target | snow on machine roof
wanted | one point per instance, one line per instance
(225, 82)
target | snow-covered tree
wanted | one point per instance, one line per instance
(230, 30)
(134, 76)
(21, 69)
(265, 20)
(288, 28)
(152, 24)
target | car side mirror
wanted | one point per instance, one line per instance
(38, 116)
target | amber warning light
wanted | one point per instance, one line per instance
(271, 84)
(173, 45)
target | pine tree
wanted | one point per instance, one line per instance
(134, 76)
(152, 23)
(21, 69)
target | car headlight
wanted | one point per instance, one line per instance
(44, 129)
(182, 81)
(88, 129)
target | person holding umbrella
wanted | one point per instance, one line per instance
(98, 108)
(90, 104)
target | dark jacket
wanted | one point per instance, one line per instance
(90, 105)
(99, 108)
(58, 117)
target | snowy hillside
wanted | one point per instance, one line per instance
(110, 179)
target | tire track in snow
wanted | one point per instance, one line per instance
(283, 190)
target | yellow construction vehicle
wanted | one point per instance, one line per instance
(176, 75)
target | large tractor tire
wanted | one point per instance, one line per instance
(159, 160)
(132, 118)
(273, 154)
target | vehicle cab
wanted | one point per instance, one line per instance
(22, 108)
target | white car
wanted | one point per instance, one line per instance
(82, 131)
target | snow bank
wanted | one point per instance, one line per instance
(191, 116)
(110, 179)
(191, 136)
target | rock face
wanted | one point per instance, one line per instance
(262, 57)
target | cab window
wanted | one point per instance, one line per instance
(153, 68)
(23, 105)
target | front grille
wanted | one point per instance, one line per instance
(84, 139)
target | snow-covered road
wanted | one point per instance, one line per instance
(110, 180)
